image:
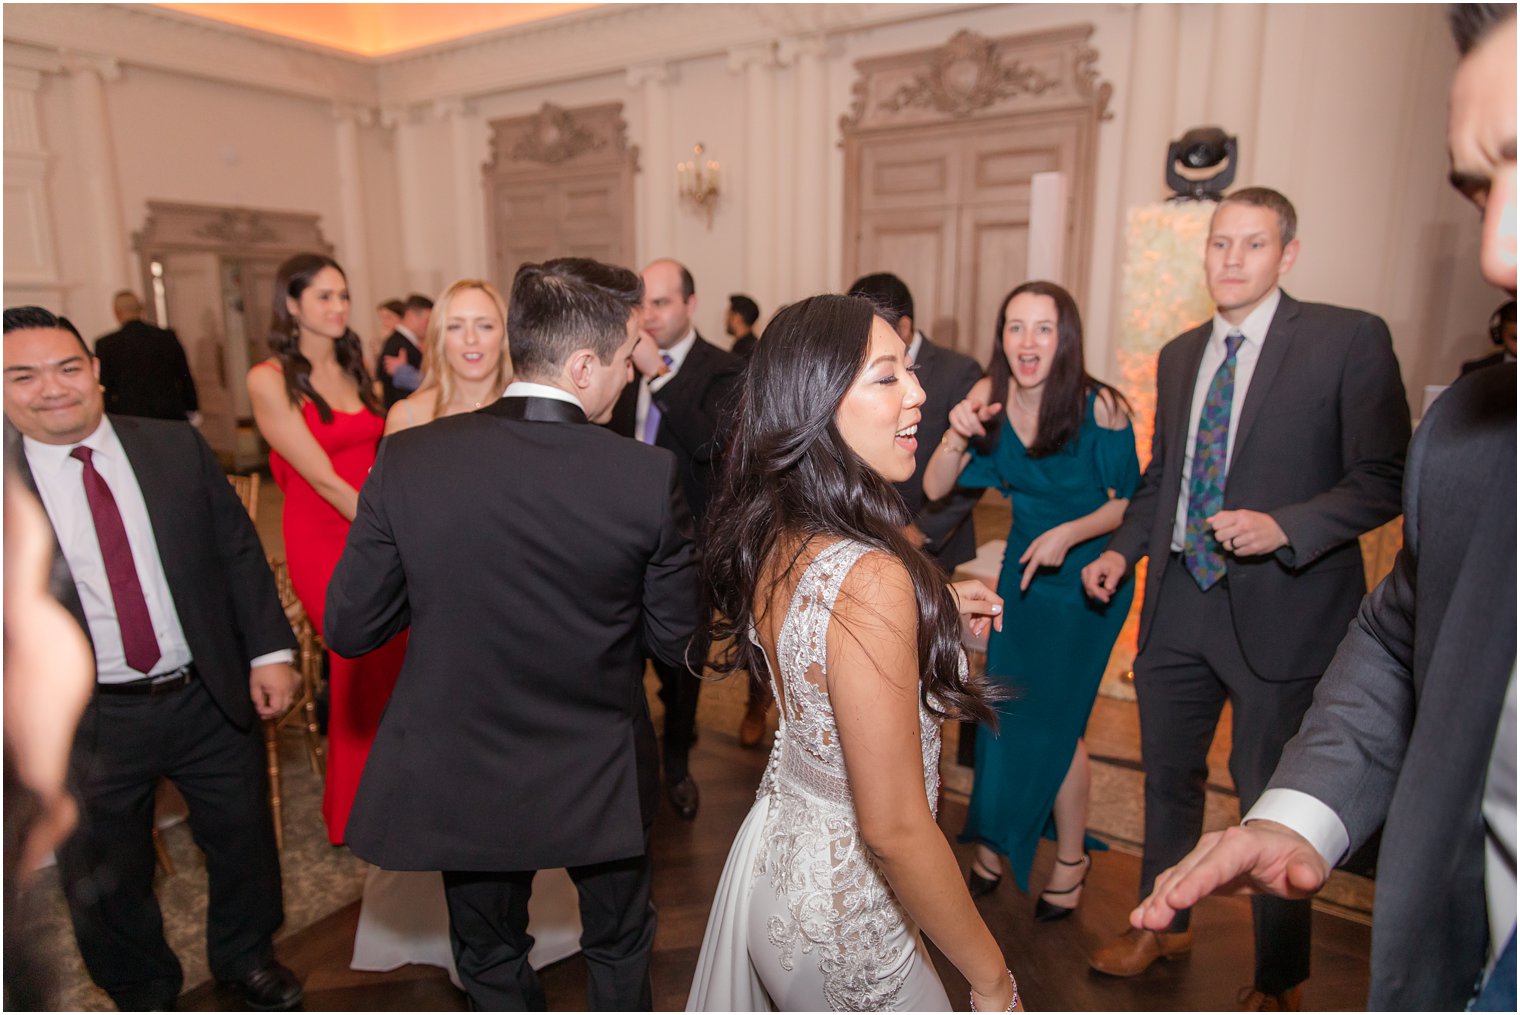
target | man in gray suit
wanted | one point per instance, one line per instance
(1280, 435)
(1413, 725)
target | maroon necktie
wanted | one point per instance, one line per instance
(137, 640)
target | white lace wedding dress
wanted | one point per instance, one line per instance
(803, 919)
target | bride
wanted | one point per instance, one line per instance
(840, 863)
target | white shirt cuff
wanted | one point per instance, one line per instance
(284, 655)
(1306, 815)
(656, 383)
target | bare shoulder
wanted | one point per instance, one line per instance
(1108, 411)
(266, 377)
(878, 589)
(411, 411)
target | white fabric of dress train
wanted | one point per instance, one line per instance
(404, 919)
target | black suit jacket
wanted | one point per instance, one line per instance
(221, 583)
(946, 377)
(145, 373)
(538, 561)
(696, 409)
(744, 347)
(1404, 720)
(1320, 447)
(395, 343)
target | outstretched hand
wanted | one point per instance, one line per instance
(970, 416)
(980, 607)
(1263, 857)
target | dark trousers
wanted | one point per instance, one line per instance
(124, 745)
(1190, 666)
(679, 689)
(488, 925)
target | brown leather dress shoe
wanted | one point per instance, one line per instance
(753, 726)
(1251, 999)
(1133, 952)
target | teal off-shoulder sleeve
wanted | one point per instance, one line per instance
(981, 471)
(1118, 465)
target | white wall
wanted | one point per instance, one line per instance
(1341, 107)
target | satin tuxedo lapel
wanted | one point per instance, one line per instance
(1280, 337)
(536, 410)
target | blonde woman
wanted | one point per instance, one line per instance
(465, 358)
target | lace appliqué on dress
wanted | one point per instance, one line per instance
(840, 908)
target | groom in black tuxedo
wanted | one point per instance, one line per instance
(537, 560)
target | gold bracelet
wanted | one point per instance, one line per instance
(944, 442)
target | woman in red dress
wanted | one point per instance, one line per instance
(313, 402)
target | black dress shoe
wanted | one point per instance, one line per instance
(271, 987)
(683, 797)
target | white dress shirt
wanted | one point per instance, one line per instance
(60, 486)
(914, 346)
(529, 389)
(677, 354)
(1254, 328)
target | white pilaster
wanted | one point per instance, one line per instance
(469, 190)
(354, 252)
(111, 258)
(810, 164)
(1235, 91)
(1148, 129)
(758, 194)
(422, 274)
(31, 264)
(655, 202)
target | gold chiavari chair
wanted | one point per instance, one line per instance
(303, 710)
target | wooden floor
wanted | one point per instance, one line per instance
(1050, 960)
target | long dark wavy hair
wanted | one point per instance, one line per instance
(789, 471)
(1064, 402)
(292, 279)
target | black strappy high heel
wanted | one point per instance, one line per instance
(979, 886)
(1049, 912)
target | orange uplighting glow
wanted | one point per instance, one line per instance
(376, 29)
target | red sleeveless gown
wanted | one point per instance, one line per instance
(358, 689)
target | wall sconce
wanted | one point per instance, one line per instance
(697, 181)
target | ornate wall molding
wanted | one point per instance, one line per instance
(973, 75)
(173, 225)
(554, 136)
(139, 35)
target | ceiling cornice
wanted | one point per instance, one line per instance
(578, 44)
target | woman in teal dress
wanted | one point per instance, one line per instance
(1059, 445)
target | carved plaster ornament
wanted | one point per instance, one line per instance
(234, 226)
(556, 136)
(965, 75)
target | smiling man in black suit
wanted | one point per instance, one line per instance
(160, 564)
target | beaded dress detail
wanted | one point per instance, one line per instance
(822, 923)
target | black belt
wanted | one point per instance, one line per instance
(162, 683)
